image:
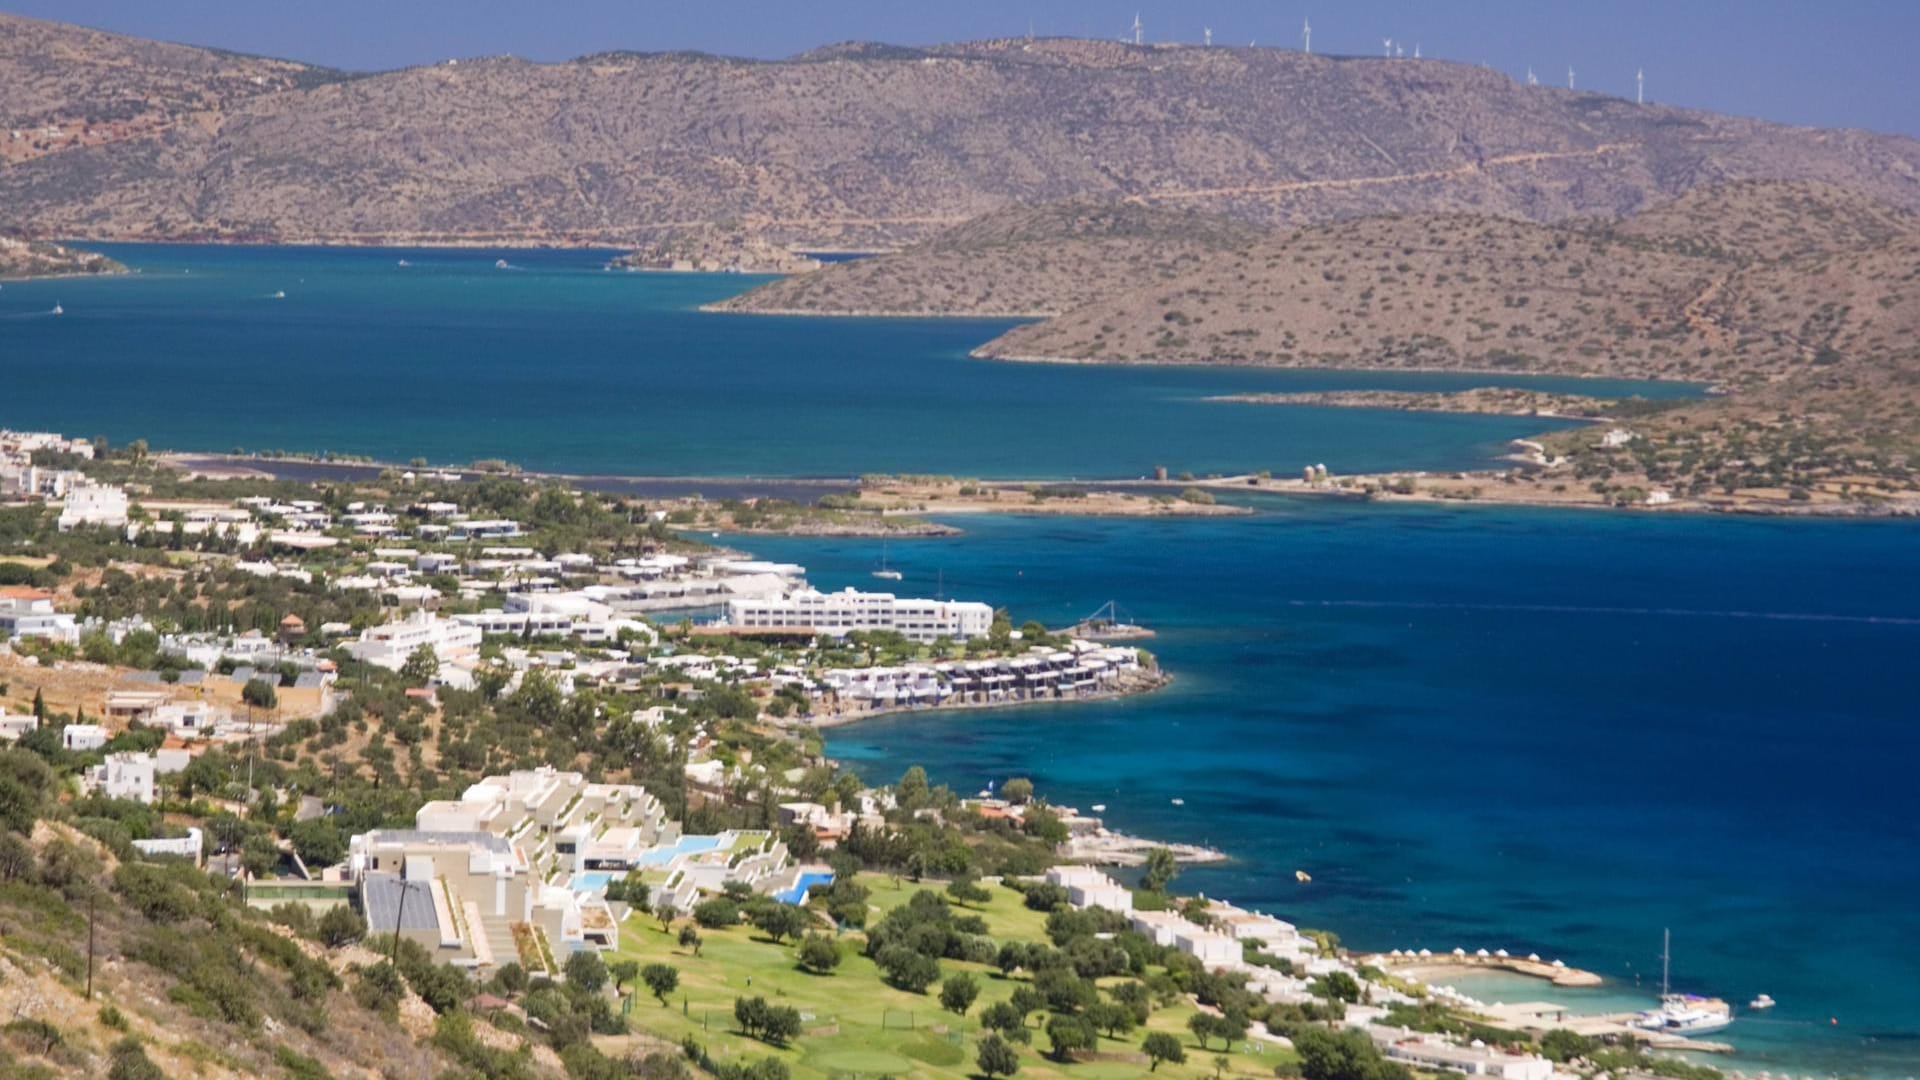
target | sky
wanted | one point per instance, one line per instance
(1841, 63)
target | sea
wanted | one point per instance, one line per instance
(1549, 731)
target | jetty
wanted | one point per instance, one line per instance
(1107, 623)
(1540, 1017)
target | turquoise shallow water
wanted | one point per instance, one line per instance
(558, 365)
(1534, 730)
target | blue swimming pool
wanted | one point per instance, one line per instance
(686, 845)
(798, 892)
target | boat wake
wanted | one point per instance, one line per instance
(1586, 609)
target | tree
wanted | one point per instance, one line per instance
(1067, 1034)
(907, 968)
(716, 913)
(665, 912)
(1349, 1055)
(997, 1057)
(1340, 986)
(1221, 1063)
(19, 806)
(39, 705)
(631, 889)
(130, 1062)
(661, 980)
(1163, 1047)
(1113, 1018)
(623, 972)
(341, 925)
(319, 842)
(1563, 1046)
(1006, 1019)
(1017, 790)
(819, 954)
(260, 694)
(912, 792)
(1205, 1026)
(1162, 868)
(968, 891)
(779, 921)
(422, 666)
(586, 972)
(691, 939)
(958, 992)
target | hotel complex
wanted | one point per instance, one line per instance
(842, 613)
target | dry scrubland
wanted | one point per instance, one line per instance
(856, 145)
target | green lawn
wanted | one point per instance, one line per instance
(856, 1025)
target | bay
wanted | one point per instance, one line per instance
(556, 364)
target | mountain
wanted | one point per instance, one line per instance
(1021, 261)
(851, 146)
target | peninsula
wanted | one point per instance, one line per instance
(23, 259)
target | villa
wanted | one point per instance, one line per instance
(26, 612)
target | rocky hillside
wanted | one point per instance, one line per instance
(36, 258)
(1020, 261)
(1740, 285)
(851, 146)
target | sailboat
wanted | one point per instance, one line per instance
(58, 310)
(1682, 1014)
(883, 572)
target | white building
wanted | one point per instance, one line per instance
(1088, 887)
(849, 610)
(135, 776)
(189, 846)
(94, 504)
(389, 644)
(14, 725)
(29, 613)
(1430, 1052)
(83, 737)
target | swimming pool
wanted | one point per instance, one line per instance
(686, 845)
(797, 893)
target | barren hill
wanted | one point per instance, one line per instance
(1020, 261)
(1696, 290)
(854, 145)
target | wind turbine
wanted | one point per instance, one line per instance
(1399, 50)
(1416, 50)
(1569, 76)
(1306, 35)
(1532, 79)
(1387, 45)
(1207, 34)
(1640, 87)
(1136, 28)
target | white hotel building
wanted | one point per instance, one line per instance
(389, 644)
(843, 612)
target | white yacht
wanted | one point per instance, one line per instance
(1682, 1014)
(1764, 1001)
(58, 310)
(884, 572)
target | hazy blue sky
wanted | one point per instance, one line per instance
(1848, 63)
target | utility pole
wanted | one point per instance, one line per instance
(393, 957)
(93, 902)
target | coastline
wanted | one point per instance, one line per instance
(1159, 680)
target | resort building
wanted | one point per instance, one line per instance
(844, 612)
(28, 612)
(1432, 1053)
(495, 875)
(389, 644)
(1088, 887)
(94, 504)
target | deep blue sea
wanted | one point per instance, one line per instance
(558, 365)
(1546, 731)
